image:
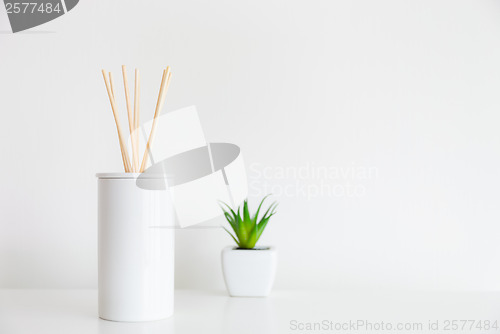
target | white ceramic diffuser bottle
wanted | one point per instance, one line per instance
(136, 248)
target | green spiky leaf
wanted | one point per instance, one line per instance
(262, 225)
(258, 209)
(231, 236)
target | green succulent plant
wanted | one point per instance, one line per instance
(247, 228)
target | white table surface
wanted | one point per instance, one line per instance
(204, 312)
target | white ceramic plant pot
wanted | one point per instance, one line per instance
(136, 255)
(249, 272)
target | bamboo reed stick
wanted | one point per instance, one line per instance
(129, 113)
(125, 165)
(111, 84)
(123, 148)
(161, 98)
(135, 137)
(125, 158)
(167, 83)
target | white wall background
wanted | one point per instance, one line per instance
(407, 89)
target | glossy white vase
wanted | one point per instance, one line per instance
(136, 249)
(249, 272)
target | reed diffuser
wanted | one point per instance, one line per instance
(136, 256)
(134, 116)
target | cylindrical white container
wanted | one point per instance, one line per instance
(136, 249)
